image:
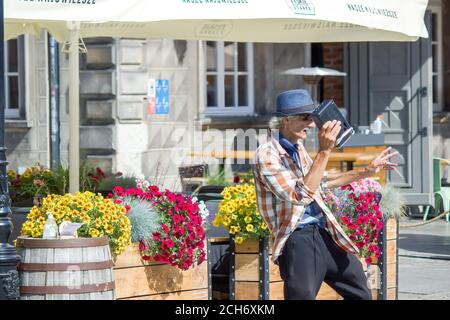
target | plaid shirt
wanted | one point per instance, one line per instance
(282, 195)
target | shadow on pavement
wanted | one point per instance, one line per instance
(425, 243)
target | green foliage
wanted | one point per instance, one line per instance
(90, 177)
(109, 183)
(37, 181)
(217, 179)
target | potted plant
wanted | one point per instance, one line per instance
(84, 261)
(29, 188)
(368, 213)
(238, 213)
(169, 243)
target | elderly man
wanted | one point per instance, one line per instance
(308, 243)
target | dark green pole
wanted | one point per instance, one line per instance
(9, 278)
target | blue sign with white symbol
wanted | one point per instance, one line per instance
(162, 96)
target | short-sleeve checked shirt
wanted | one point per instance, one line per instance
(282, 196)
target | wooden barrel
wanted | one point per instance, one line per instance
(65, 269)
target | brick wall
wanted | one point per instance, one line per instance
(333, 58)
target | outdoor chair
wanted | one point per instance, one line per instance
(441, 193)
(192, 177)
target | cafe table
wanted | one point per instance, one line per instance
(347, 158)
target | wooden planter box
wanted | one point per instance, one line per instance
(150, 280)
(252, 258)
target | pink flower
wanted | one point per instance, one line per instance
(118, 190)
(165, 228)
(38, 183)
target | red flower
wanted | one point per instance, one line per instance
(199, 230)
(179, 231)
(118, 201)
(170, 196)
(142, 246)
(118, 190)
(181, 243)
(100, 172)
(177, 218)
(236, 179)
(128, 208)
(345, 220)
(145, 257)
(168, 243)
(156, 236)
(153, 189)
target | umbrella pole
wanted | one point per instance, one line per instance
(74, 110)
(9, 278)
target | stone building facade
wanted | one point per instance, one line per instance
(117, 132)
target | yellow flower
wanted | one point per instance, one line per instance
(248, 219)
(82, 207)
(227, 196)
(94, 232)
(239, 240)
(217, 220)
(226, 221)
(98, 222)
(249, 228)
(12, 174)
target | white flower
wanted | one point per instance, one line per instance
(204, 212)
(139, 185)
(146, 183)
(194, 199)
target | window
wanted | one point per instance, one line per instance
(14, 78)
(436, 46)
(229, 78)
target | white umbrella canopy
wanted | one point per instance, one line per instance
(216, 20)
(231, 20)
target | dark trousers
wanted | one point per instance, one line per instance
(309, 257)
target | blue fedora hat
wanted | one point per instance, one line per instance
(294, 102)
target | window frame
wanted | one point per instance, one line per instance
(18, 113)
(436, 8)
(221, 109)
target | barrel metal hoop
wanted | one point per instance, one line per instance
(65, 266)
(86, 288)
(33, 243)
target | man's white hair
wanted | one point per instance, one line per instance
(275, 122)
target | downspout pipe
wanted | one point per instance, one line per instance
(55, 134)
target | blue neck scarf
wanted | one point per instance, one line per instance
(291, 149)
